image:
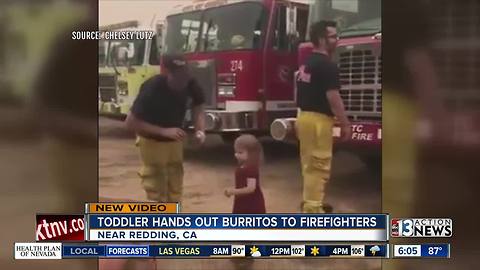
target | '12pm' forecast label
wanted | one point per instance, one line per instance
(422, 227)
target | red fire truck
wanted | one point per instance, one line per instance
(244, 54)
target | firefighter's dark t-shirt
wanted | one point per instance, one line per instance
(158, 104)
(316, 76)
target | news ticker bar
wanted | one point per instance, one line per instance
(65, 251)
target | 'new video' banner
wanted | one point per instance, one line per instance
(227, 227)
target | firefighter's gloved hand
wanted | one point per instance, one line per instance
(200, 136)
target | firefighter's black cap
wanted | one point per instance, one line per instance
(174, 62)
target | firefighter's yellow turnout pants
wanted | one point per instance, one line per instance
(314, 131)
(162, 171)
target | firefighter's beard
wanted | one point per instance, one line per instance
(327, 47)
(331, 46)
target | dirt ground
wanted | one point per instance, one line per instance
(209, 170)
(27, 189)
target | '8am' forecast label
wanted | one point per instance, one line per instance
(422, 227)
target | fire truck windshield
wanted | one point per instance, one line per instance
(183, 31)
(353, 17)
(124, 52)
(230, 27)
(363, 28)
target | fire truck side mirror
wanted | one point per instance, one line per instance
(291, 20)
(293, 35)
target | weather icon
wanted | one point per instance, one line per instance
(315, 251)
(254, 252)
(374, 250)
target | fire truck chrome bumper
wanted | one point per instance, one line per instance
(283, 129)
(363, 133)
(219, 121)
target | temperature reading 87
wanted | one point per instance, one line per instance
(434, 250)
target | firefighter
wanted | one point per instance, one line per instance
(319, 102)
(157, 117)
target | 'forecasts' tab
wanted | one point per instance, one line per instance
(131, 208)
(127, 251)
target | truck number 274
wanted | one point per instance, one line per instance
(236, 65)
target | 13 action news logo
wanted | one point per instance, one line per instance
(421, 227)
